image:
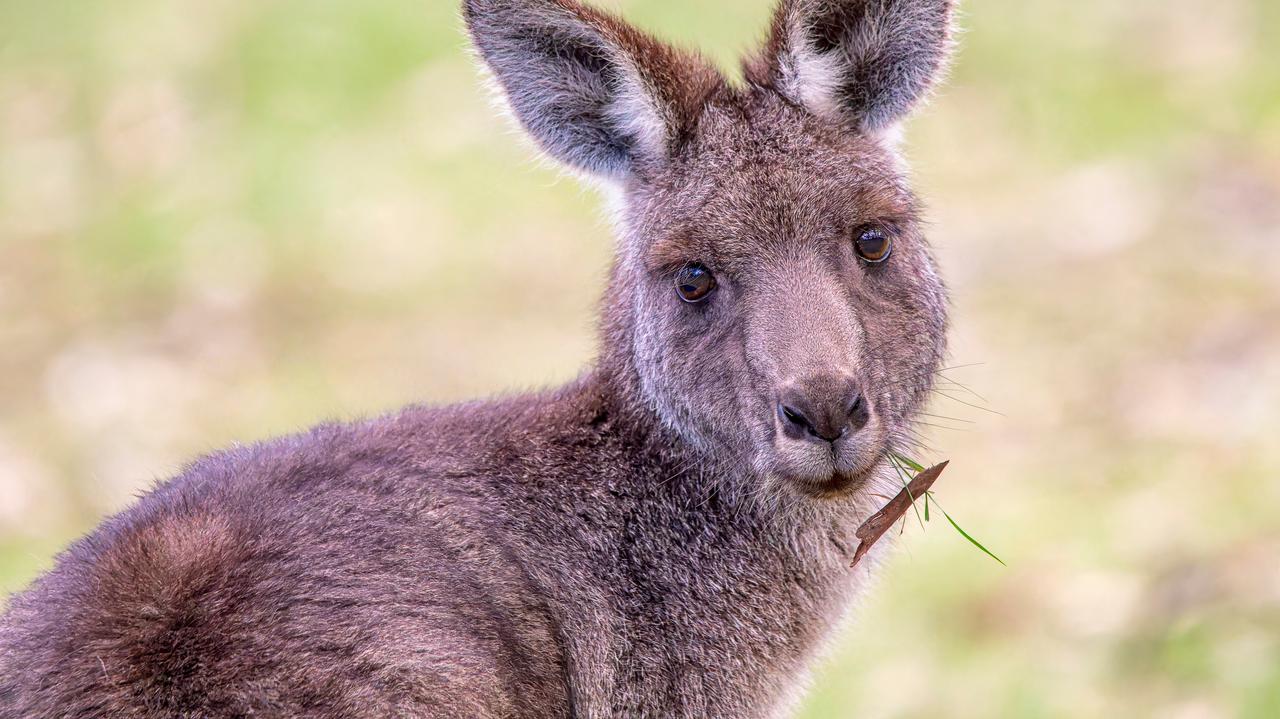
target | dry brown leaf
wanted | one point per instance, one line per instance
(877, 524)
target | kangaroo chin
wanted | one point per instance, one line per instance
(668, 535)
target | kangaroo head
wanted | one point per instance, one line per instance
(773, 290)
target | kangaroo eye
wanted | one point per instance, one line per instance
(695, 283)
(873, 245)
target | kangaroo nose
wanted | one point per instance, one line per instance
(825, 407)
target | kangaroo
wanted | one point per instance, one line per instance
(669, 535)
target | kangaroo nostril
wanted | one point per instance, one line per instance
(797, 425)
(859, 413)
(794, 418)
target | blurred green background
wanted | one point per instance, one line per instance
(226, 219)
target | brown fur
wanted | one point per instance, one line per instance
(653, 539)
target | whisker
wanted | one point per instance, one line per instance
(960, 385)
(943, 416)
(967, 404)
(940, 426)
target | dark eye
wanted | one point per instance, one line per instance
(873, 244)
(695, 283)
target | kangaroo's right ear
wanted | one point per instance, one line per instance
(866, 62)
(595, 93)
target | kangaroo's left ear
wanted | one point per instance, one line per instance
(866, 62)
(594, 92)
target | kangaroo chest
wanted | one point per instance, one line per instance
(717, 616)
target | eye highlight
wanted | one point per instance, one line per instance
(695, 283)
(873, 244)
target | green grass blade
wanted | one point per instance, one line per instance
(926, 506)
(972, 541)
(906, 481)
(914, 465)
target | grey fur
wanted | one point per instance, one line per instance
(647, 541)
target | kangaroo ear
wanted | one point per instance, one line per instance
(594, 92)
(864, 61)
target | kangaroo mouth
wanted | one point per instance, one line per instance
(839, 479)
(829, 471)
(837, 485)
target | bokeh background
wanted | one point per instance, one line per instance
(226, 219)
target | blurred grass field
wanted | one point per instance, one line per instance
(226, 219)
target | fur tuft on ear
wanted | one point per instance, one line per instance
(594, 92)
(868, 62)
